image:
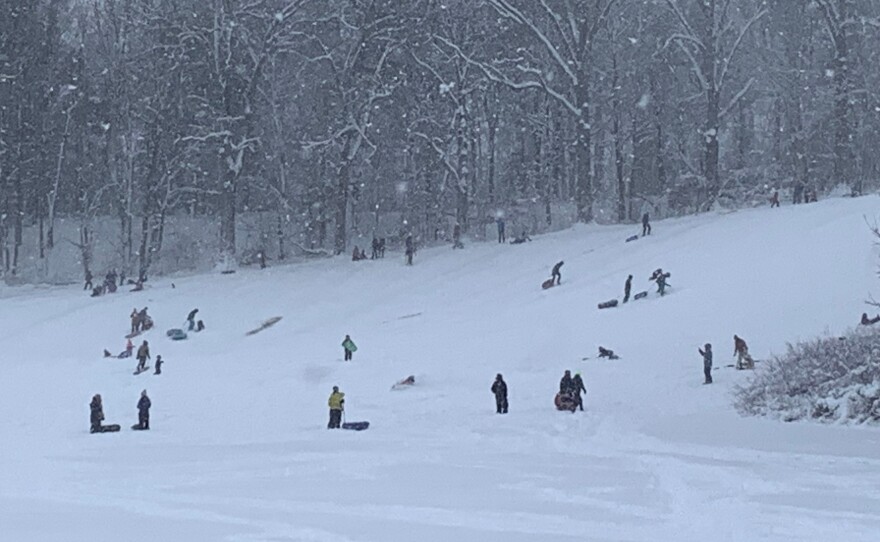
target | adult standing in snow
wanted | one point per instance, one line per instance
(555, 274)
(88, 284)
(191, 319)
(627, 288)
(707, 362)
(336, 402)
(410, 249)
(456, 236)
(774, 200)
(578, 385)
(798, 192)
(135, 320)
(741, 350)
(646, 225)
(499, 388)
(97, 413)
(159, 362)
(143, 407)
(566, 384)
(143, 354)
(500, 223)
(349, 347)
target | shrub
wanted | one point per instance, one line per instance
(827, 379)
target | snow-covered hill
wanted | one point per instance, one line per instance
(239, 449)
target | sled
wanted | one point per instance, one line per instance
(640, 295)
(137, 427)
(608, 304)
(112, 428)
(268, 323)
(176, 334)
(632, 238)
(356, 426)
(139, 371)
(133, 335)
(547, 284)
(565, 402)
(407, 382)
(349, 345)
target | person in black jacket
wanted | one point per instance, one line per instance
(97, 415)
(578, 384)
(555, 274)
(499, 388)
(191, 319)
(159, 362)
(627, 287)
(566, 384)
(143, 406)
(707, 363)
(646, 225)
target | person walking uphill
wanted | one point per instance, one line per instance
(555, 274)
(143, 407)
(627, 288)
(336, 404)
(191, 319)
(707, 362)
(499, 388)
(143, 354)
(349, 347)
(97, 413)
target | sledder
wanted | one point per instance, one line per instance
(741, 350)
(660, 277)
(97, 416)
(407, 382)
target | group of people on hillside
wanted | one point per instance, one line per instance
(96, 416)
(740, 350)
(140, 321)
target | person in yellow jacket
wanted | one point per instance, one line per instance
(336, 403)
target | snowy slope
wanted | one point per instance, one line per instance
(239, 451)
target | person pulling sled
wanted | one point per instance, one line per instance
(869, 321)
(556, 274)
(606, 353)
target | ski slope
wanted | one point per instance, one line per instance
(239, 451)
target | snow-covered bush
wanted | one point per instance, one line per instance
(828, 379)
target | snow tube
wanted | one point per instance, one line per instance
(608, 304)
(176, 334)
(565, 402)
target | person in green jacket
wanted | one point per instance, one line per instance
(349, 347)
(336, 404)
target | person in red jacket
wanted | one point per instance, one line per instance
(741, 350)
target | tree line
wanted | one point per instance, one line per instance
(326, 115)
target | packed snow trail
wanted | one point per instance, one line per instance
(238, 448)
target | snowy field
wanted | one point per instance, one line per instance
(239, 451)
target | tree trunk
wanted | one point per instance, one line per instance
(583, 153)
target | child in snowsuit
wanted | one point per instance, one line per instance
(336, 404)
(97, 413)
(159, 362)
(555, 274)
(627, 287)
(456, 236)
(143, 407)
(707, 363)
(349, 347)
(135, 321)
(774, 201)
(143, 354)
(499, 388)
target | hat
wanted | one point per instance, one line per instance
(335, 388)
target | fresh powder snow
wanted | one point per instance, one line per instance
(239, 451)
